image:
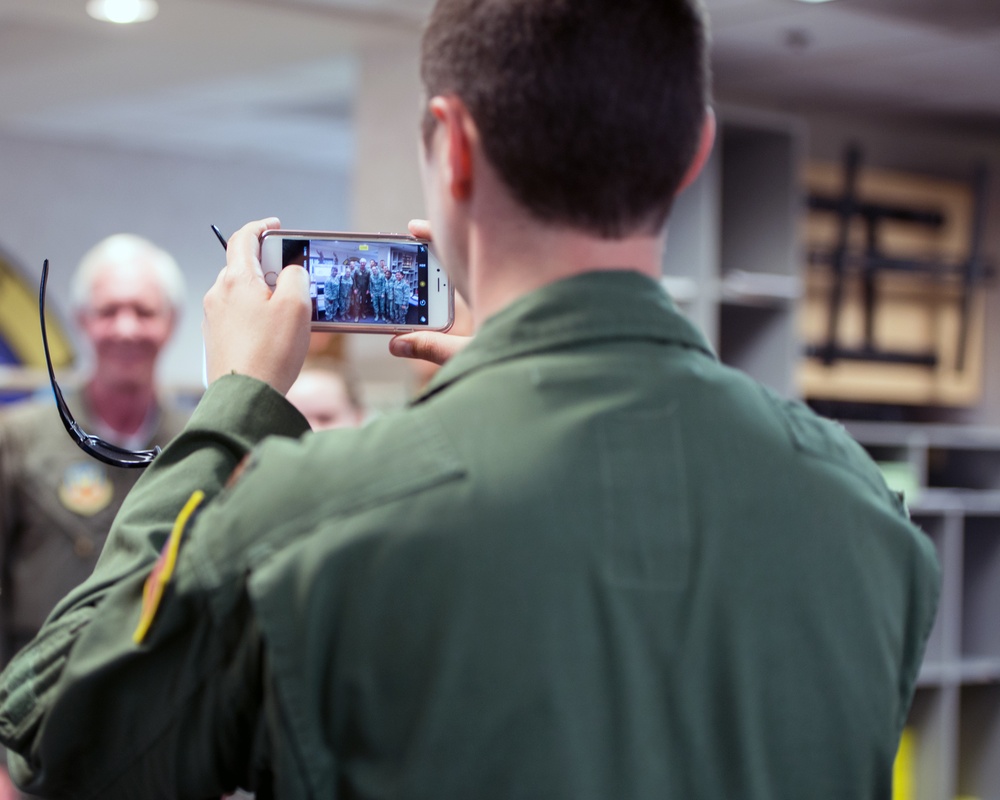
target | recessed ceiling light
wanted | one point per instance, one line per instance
(122, 12)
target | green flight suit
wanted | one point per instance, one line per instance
(346, 287)
(377, 289)
(331, 294)
(401, 293)
(588, 562)
(56, 505)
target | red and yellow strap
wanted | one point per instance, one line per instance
(163, 569)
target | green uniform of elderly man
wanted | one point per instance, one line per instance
(56, 501)
(587, 562)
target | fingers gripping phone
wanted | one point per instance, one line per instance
(362, 282)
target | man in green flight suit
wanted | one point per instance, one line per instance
(588, 561)
(387, 293)
(331, 295)
(400, 298)
(56, 501)
(377, 289)
(346, 287)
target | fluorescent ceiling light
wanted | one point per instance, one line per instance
(122, 12)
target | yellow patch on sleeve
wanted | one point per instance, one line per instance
(163, 569)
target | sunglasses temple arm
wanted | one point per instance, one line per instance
(75, 431)
(84, 440)
(71, 425)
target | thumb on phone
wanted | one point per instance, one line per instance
(428, 345)
(420, 228)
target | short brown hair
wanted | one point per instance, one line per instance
(590, 110)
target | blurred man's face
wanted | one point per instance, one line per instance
(128, 322)
(323, 400)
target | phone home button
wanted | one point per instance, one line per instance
(271, 279)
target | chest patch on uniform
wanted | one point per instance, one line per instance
(85, 489)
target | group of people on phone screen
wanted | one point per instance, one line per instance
(363, 289)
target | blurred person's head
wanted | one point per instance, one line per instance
(326, 395)
(127, 294)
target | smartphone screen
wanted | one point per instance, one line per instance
(366, 283)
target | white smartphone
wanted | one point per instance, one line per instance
(365, 282)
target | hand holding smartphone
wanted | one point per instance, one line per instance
(247, 332)
(359, 282)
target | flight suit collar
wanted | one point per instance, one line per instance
(153, 430)
(593, 307)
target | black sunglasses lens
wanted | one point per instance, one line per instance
(118, 456)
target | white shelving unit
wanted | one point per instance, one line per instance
(732, 261)
(733, 265)
(955, 717)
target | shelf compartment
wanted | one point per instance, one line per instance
(981, 588)
(979, 741)
(963, 468)
(760, 199)
(931, 723)
(759, 341)
(939, 650)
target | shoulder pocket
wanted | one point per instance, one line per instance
(826, 440)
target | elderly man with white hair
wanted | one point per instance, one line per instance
(56, 501)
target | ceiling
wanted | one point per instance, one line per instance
(279, 78)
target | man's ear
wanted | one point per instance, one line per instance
(703, 151)
(457, 130)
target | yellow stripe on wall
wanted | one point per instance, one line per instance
(19, 326)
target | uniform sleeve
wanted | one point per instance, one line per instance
(925, 593)
(6, 532)
(88, 712)
(5, 498)
(9, 458)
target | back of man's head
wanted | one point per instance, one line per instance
(589, 110)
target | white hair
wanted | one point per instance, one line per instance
(127, 248)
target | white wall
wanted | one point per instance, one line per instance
(56, 200)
